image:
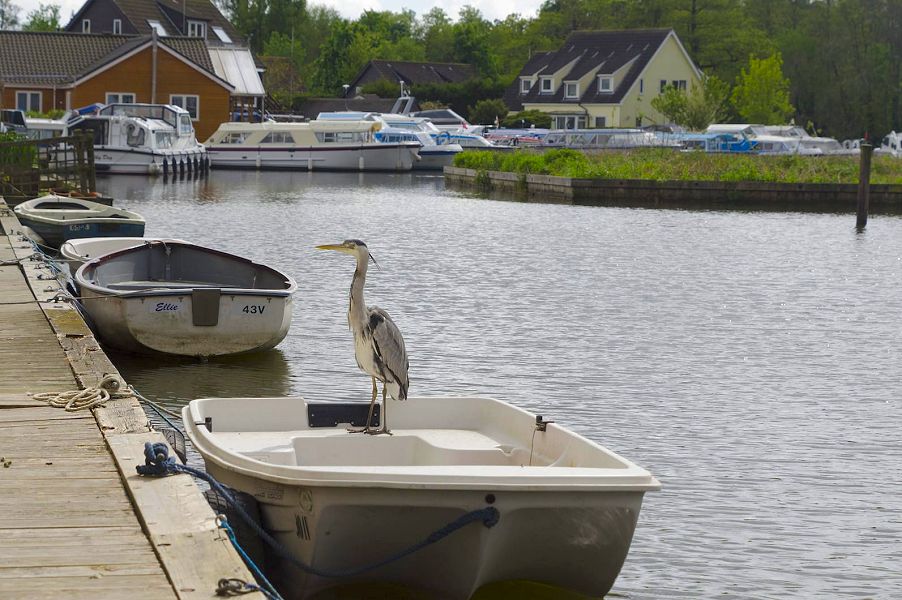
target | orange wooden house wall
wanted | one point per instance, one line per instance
(134, 75)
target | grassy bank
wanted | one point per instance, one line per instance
(659, 164)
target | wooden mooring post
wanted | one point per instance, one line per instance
(864, 184)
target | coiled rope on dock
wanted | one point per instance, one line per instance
(158, 463)
(73, 400)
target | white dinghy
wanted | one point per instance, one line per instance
(78, 252)
(180, 298)
(338, 501)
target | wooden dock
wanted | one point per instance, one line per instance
(76, 521)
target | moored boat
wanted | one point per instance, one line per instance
(57, 219)
(142, 139)
(79, 251)
(339, 501)
(313, 146)
(180, 298)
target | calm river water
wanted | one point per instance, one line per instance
(751, 361)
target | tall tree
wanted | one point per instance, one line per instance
(761, 94)
(9, 14)
(44, 18)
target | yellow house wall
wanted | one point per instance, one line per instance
(669, 63)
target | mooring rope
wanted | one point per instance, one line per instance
(158, 463)
(76, 399)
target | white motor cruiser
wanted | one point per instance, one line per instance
(314, 146)
(143, 139)
(340, 501)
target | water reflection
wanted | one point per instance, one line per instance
(173, 381)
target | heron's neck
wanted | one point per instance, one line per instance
(357, 308)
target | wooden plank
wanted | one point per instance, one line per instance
(42, 571)
(180, 523)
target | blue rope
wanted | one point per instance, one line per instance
(270, 590)
(158, 463)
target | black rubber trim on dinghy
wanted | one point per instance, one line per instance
(332, 414)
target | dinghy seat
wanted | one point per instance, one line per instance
(162, 285)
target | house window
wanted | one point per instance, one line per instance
(679, 84)
(605, 84)
(197, 29)
(221, 34)
(86, 25)
(547, 85)
(525, 84)
(663, 85)
(189, 103)
(28, 101)
(601, 122)
(641, 86)
(117, 26)
(571, 90)
(120, 98)
(157, 27)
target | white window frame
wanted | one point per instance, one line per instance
(601, 122)
(197, 29)
(549, 89)
(86, 25)
(679, 84)
(567, 85)
(641, 86)
(118, 98)
(525, 85)
(183, 98)
(158, 27)
(602, 79)
(663, 85)
(29, 95)
(117, 26)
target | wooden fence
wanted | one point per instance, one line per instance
(62, 164)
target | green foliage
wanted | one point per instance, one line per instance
(671, 103)
(527, 118)
(486, 111)
(703, 105)
(44, 18)
(761, 94)
(661, 164)
(56, 113)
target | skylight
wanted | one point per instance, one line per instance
(157, 26)
(221, 34)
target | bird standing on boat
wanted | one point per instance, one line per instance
(378, 344)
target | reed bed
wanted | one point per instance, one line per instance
(659, 164)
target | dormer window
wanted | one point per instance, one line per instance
(157, 27)
(571, 90)
(86, 25)
(605, 84)
(197, 29)
(547, 85)
(525, 84)
(117, 26)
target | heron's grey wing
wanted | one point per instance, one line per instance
(389, 346)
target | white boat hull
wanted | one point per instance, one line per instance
(369, 157)
(340, 501)
(127, 161)
(164, 323)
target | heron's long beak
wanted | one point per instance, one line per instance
(336, 247)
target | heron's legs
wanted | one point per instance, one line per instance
(369, 415)
(384, 428)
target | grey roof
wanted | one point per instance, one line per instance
(169, 13)
(367, 103)
(413, 72)
(45, 58)
(601, 52)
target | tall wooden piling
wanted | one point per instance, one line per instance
(864, 184)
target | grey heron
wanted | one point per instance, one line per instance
(378, 344)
